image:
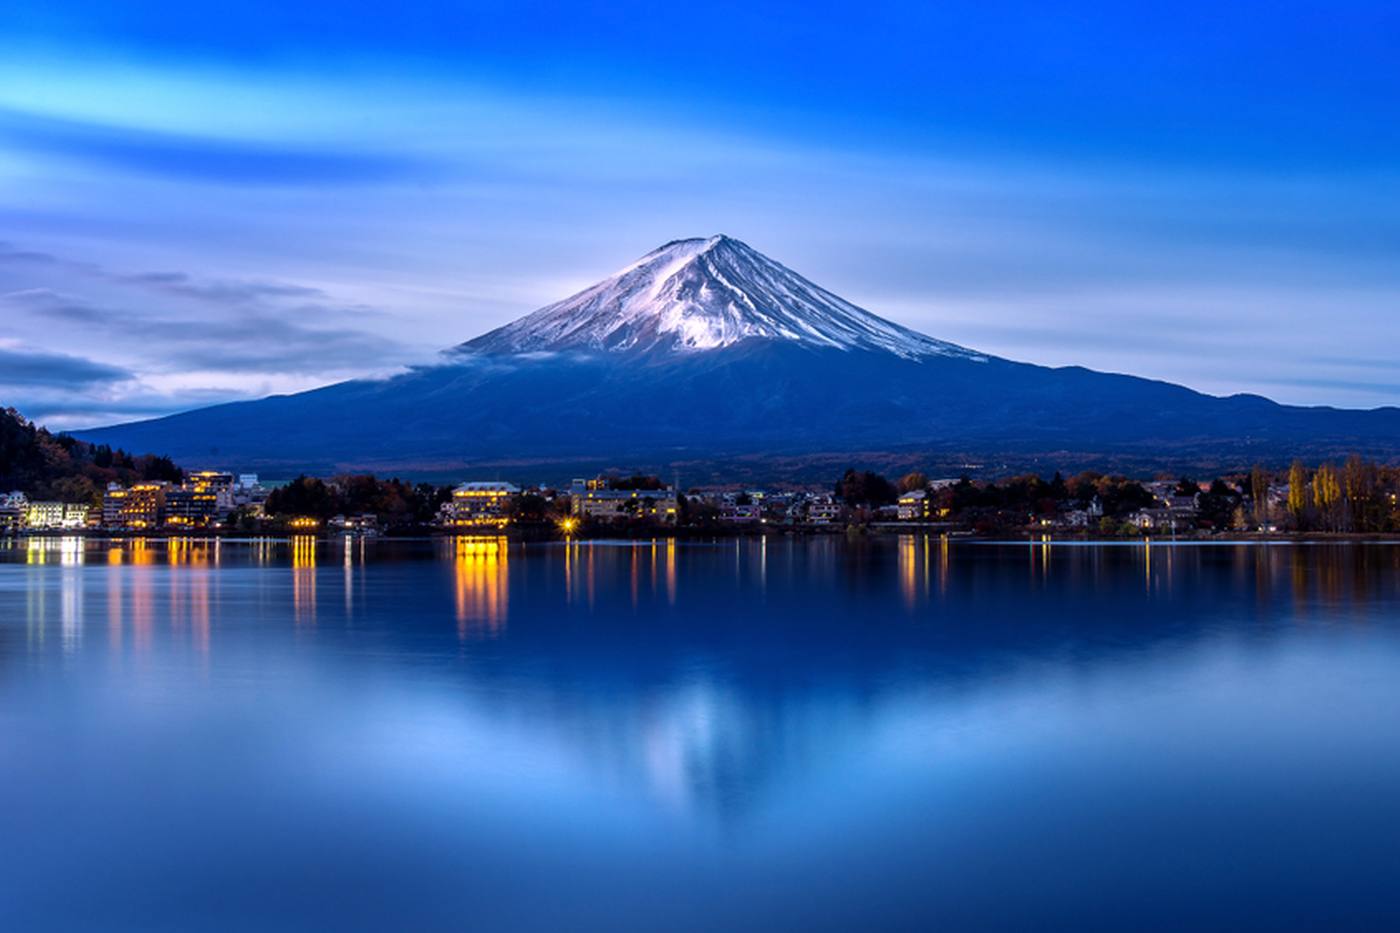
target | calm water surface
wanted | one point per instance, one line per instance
(901, 734)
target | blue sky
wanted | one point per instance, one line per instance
(223, 200)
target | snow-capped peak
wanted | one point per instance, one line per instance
(700, 294)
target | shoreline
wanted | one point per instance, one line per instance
(852, 532)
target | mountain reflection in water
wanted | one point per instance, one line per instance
(672, 719)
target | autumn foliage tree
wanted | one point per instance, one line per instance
(1327, 496)
(44, 465)
(910, 482)
(1298, 493)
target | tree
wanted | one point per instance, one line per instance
(963, 494)
(1120, 496)
(530, 508)
(304, 495)
(1360, 481)
(1327, 494)
(78, 489)
(1218, 504)
(48, 466)
(696, 511)
(1186, 488)
(159, 469)
(636, 481)
(1297, 491)
(910, 482)
(865, 488)
(1259, 494)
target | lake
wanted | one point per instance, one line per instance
(809, 733)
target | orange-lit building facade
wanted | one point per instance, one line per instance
(191, 508)
(479, 505)
(139, 506)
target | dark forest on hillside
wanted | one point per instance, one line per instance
(44, 465)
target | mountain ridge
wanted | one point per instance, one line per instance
(707, 354)
(701, 294)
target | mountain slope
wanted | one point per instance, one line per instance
(704, 294)
(706, 354)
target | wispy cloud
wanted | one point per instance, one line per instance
(69, 408)
(254, 340)
(180, 283)
(23, 368)
(169, 340)
(199, 158)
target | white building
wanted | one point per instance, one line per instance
(740, 512)
(913, 506)
(823, 510)
(13, 506)
(594, 500)
(53, 516)
(479, 505)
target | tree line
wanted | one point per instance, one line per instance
(393, 501)
(1356, 496)
(43, 465)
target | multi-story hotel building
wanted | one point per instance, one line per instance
(55, 515)
(914, 506)
(594, 500)
(191, 507)
(211, 481)
(141, 506)
(479, 505)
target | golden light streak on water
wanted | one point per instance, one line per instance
(943, 565)
(481, 572)
(115, 595)
(671, 571)
(304, 578)
(634, 576)
(142, 596)
(908, 571)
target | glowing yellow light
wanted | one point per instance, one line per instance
(481, 578)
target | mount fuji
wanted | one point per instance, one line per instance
(706, 356)
(696, 295)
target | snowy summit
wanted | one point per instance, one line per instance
(701, 294)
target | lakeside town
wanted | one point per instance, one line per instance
(56, 483)
(1358, 497)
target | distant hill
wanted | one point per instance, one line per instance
(48, 466)
(706, 357)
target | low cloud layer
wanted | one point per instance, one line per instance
(148, 343)
(24, 368)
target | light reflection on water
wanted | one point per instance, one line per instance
(480, 567)
(698, 734)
